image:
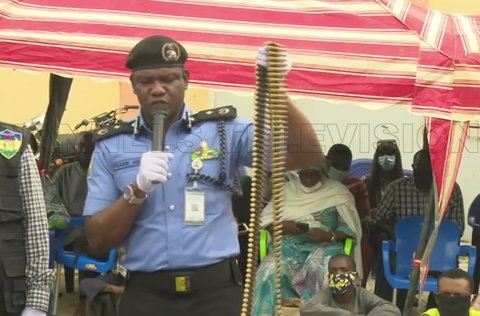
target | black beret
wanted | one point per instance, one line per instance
(156, 52)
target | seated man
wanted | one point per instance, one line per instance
(406, 197)
(71, 184)
(71, 179)
(339, 159)
(319, 214)
(343, 298)
(454, 295)
(474, 210)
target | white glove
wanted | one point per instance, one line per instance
(153, 169)
(33, 312)
(262, 59)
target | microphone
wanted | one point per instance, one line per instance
(160, 113)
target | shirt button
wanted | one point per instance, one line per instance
(169, 175)
(167, 148)
(171, 207)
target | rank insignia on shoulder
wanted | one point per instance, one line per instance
(10, 143)
(228, 112)
(112, 130)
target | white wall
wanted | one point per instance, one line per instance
(360, 128)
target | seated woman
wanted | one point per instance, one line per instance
(386, 168)
(329, 210)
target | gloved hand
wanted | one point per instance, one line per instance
(153, 169)
(262, 59)
(33, 312)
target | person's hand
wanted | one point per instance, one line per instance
(318, 235)
(33, 312)
(262, 59)
(153, 169)
(291, 228)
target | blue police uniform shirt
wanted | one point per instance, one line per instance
(160, 239)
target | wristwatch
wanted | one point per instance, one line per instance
(129, 195)
(332, 239)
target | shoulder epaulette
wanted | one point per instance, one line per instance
(228, 112)
(112, 130)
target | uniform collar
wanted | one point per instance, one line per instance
(140, 125)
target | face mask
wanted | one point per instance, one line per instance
(422, 178)
(453, 305)
(312, 188)
(386, 162)
(336, 174)
(340, 283)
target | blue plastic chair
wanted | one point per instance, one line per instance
(82, 261)
(78, 261)
(360, 168)
(444, 255)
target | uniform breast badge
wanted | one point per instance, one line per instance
(10, 143)
(204, 153)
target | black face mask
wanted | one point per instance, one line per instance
(423, 178)
(453, 305)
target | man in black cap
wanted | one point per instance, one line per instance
(175, 216)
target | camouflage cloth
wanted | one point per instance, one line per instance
(58, 217)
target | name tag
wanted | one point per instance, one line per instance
(122, 164)
(194, 207)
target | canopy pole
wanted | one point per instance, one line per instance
(430, 212)
(422, 244)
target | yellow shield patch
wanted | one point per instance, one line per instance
(10, 143)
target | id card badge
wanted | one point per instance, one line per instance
(194, 206)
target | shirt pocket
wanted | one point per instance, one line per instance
(209, 183)
(208, 175)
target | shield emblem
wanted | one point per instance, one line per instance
(10, 143)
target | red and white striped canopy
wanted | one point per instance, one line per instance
(369, 52)
(373, 53)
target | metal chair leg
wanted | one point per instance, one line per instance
(394, 298)
(57, 288)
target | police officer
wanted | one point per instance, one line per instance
(25, 279)
(172, 208)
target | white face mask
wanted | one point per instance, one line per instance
(312, 188)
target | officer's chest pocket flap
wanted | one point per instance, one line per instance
(11, 206)
(14, 267)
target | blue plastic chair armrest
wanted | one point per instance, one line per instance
(388, 246)
(76, 221)
(471, 252)
(112, 257)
